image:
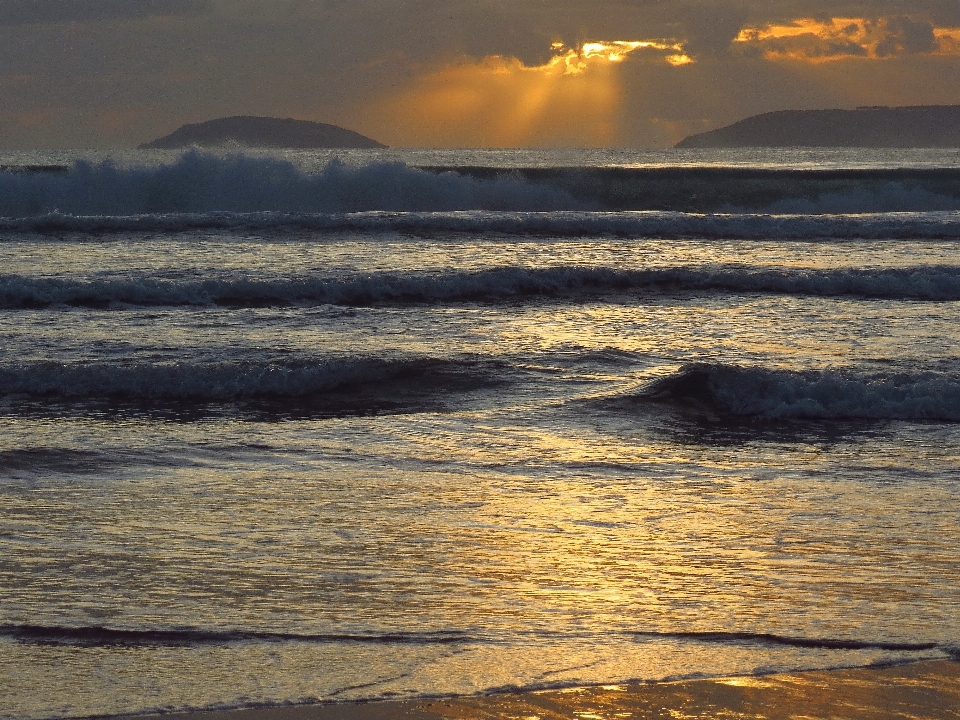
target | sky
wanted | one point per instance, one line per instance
(460, 73)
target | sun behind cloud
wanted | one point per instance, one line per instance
(573, 99)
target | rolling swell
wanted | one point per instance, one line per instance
(496, 284)
(756, 392)
(206, 190)
(217, 382)
(98, 636)
(712, 189)
(728, 638)
(559, 223)
(53, 459)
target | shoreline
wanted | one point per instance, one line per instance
(923, 689)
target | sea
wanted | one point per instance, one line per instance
(283, 427)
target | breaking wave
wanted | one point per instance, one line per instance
(237, 191)
(201, 183)
(497, 284)
(764, 393)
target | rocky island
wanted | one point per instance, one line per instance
(912, 126)
(249, 131)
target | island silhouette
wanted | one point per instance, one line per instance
(875, 126)
(251, 131)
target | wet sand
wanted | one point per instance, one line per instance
(929, 690)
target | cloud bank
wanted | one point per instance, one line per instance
(41, 12)
(841, 38)
(115, 73)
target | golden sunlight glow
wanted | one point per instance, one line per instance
(823, 40)
(573, 61)
(572, 99)
(948, 40)
(618, 50)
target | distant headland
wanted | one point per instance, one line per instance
(880, 126)
(249, 131)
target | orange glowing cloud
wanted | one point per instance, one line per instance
(815, 41)
(573, 99)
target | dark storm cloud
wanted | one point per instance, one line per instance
(28, 12)
(904, 36)
(709, 28)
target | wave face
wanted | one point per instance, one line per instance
(741, 189)
(497, 284)
(200, 183)
(819, 395)
(889, 197)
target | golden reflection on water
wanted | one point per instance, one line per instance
(924, 690)
(524, 512)
(436, 527)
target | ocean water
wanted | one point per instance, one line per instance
(287, 427)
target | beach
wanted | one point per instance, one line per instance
(929, 690)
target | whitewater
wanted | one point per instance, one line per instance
(284, 427)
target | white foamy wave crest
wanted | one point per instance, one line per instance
(219, 381)
(200, 183)
(834, 394)
(497, 284)
(637, 224)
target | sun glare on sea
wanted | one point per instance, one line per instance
(572, 99)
